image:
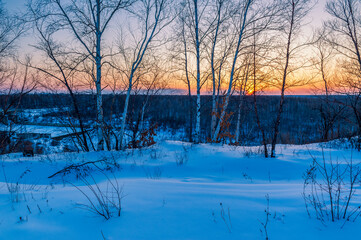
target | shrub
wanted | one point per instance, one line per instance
(329, 189)
(103, 201)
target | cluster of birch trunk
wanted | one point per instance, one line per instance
(218, 47)
(238, 47)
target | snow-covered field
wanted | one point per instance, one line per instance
(217, 193)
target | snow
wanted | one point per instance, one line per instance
(164, 199)
(53, 131)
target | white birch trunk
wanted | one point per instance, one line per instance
(198, 115)
(242, 93)
(100, 116)
(159, 7)
(98, 62)
(238, 120)
(226, 101)
(214, 99)
(198, 122)
(125, 112)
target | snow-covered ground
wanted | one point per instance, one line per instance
(53, 131)
(217, 193)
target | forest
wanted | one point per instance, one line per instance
(296, 127)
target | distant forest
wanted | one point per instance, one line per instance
(305, 119)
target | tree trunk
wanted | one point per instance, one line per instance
(98, 62)
(241, 102)
(125, 112)
(264, 142)
(190, 102)
(214, 99)
(84, 141)
(198, 113)
(226, 101)
(241, 99)
(284, 78)
(100, 119)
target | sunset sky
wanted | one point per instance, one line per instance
(314, 20)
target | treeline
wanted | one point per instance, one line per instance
(302, 120)
(236, 50)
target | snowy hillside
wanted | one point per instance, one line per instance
(172, 190)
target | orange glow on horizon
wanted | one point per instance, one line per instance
(304, 90)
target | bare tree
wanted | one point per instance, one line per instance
(343, 34)
(212, 34)
(221, 43)
(198, 61)
(61, 67)
(15, 79)
(195, 30)
(16, 82)
(86, 21)
(294, 12)
(152, 83)
(344, 28)
(330, 109)
(243, 90)
(187, 80)
(258, 57)
(153, 17)
(258, 77)
(241, 30)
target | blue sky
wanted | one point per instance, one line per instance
(314, 20)
(15, 4)
(316, 15)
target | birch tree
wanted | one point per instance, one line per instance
(219, 19)
(259, 80)
(221, 42)
(294, 12)
(243, 88)
(344, 28)
(86, 21)
(153, 17)
(185, 55)
(151, 84)
(198, 62)
(197, 27)
(343, 34)
(242, 26)
(204, 37)
(330, 109)
(187, 78)
(60, 67)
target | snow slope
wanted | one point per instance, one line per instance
(166, 200)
